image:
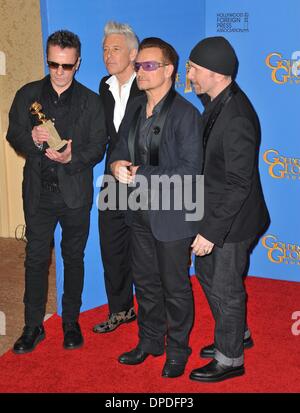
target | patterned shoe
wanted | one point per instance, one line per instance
(115, 320)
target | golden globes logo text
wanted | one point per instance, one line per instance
(281, 252)
(281, 166)
(284, 70)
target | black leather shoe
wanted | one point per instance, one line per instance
(72, 336)
(208, 352)
(215, 371)
(30, 338)
(173, 368)
(135, 356)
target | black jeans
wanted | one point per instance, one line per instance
(163, 290)
(221, 277)
(115, 240)
(39, 233)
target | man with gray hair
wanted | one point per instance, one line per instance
(120, 45)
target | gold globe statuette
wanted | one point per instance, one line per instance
(188, 86)
(54, 141)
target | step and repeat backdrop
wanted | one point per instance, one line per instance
(265, 37)
(266, 40)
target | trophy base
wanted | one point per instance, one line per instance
(54, 142)
(59, 146)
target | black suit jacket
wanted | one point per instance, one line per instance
(235, 208)
(180, 153)
(87, 131)
(109, 106)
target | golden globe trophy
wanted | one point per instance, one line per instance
(55, 141)
(188, 86)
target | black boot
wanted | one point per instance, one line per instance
(173, 368)
(72, 336)
(208, 352)
(216, 371)
(30, 338)
(135, 356)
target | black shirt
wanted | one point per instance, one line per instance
(211, 113)
(145, 129)
(57, 109)
(212, 105)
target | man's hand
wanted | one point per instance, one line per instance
(133, 170)
(39, 135)
(201, 246)
(61, 157)
(121, 172)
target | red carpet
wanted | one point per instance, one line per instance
(273, 365)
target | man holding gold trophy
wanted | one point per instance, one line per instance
(58, 125)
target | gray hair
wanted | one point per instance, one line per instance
(113, 27)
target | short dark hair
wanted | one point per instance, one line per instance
(64, 38)
(169, 53)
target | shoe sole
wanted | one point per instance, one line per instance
(171, 377)
(114, 329)
(37, 341)
(140, 362)
(225, 376)
(212, 355)
(131, 364)
(166, 376)
(73, 347)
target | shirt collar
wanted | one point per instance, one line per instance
(113, 82)
(158, 106)
(54, 95)
(210, 106)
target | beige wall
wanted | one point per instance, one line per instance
(21, 61)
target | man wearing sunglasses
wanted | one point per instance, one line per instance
(57, 185)
(120, 46)
(160, 135)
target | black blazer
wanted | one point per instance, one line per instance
(87, 131)
(235, 208)
(180, 153)
(109, 106)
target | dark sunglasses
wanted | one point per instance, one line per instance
(65, 66)
(148, 66)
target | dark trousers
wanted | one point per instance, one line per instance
(115, 252)
(39, 233)
(221, 277)
(163, 290)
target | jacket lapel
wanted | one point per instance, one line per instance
(135, 91)
(158, 128)
(133, 133)
(78, 104)
(109, 104)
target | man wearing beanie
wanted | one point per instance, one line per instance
(235, 211)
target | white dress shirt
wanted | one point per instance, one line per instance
(121, 95)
